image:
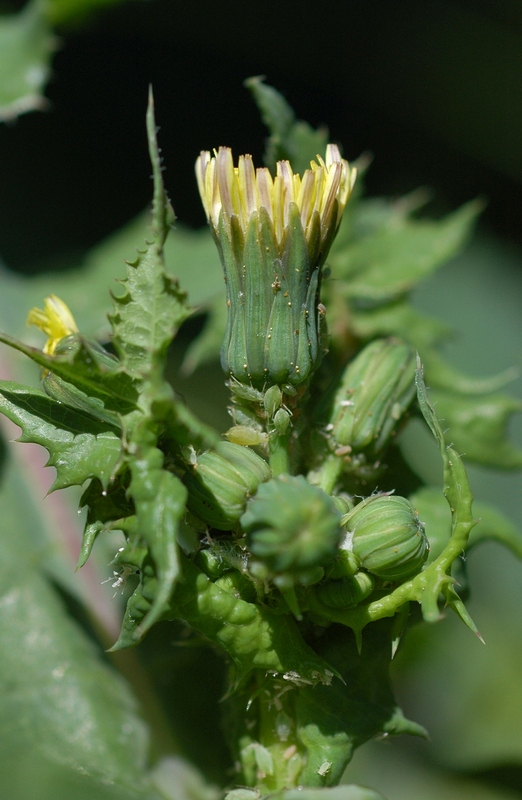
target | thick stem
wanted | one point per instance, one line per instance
(277, 735)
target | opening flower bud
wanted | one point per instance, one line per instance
(273, 235)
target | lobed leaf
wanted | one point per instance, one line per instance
(149, 312)
(80, 447)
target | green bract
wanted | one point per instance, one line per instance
(387, 537)
(221, 481)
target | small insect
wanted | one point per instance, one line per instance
(119, 578)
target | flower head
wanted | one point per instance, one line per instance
(320, 195)
(273, 236)
(55, 320)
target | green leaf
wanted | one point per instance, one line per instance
(207, 345)
(147, 316)
(290, 139)
(400, 319)
(80, 447)
(253, 636)
(160, 499)
(68, 12)
(478, 426)
(332, 721)
(390, 261)
(26, 47)
(68, 722)
(338, 793)
(84, 368)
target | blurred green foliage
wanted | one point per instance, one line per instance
(468, 696)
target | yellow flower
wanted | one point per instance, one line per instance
(320, 194)
(55, 320)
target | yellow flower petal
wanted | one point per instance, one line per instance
(241, 191)
(55, 320)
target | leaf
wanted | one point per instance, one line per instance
(478, 426)
(253, 636)
(390, 261)
(26, 47)
(400, 319)
(159, 497)
(80, 447)
(65, 12)
(84, 369)
(207, 345)
(290, 139)
(332, 721)
(68, 722)
(338, 793)
(147, 316)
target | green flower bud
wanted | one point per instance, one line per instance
(384, 532)
(291, 526)
(348, 592)
(376, 389)
(221, 481)
(273, 235)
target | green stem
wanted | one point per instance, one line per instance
(279, 454)
(277, 735)
(329, 473)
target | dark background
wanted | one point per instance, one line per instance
(433, 89)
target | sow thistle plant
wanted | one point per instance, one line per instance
(287, 543)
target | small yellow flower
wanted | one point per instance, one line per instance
(55, 320)
(320, 194)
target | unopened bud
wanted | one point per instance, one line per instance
(384, 532)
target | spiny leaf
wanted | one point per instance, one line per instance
(151, 309)
(80, 447)
(253, 636)
(159, 498)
